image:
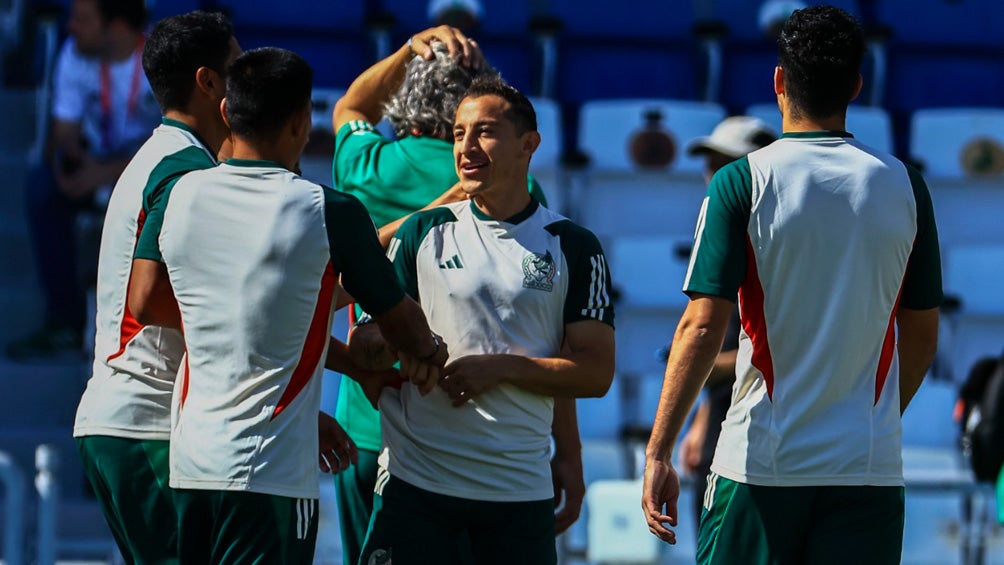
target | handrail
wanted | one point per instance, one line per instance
(13, 537)
(47, 485)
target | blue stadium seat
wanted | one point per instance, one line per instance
(869, 124)
(936, 22)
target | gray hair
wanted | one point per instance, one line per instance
(428, 98)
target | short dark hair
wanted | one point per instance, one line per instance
(266, 87)
(132, 11)
(820, 50)
(520, 112)
(177, 47)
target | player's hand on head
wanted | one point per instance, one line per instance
(458, 45)
(470, 376)
(336, 450)
(661, 490)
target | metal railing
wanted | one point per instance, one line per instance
(13, 536)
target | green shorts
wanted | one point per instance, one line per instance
(412, 526)
(244, 528)
(354, 488)
(821, 525)
(130, 481)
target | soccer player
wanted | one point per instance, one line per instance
(417, 89)
(506, 281)
(253, 253)
(123, 421)
(833, 250)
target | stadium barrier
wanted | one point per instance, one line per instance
(13, 536)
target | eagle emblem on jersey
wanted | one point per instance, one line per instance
(538, 271)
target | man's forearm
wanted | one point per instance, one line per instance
(695, 346)
(369, 350)
(565, 428)
(917, 345)
(367, 94)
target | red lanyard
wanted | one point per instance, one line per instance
(106, 93)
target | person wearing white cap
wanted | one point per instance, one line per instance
(732, 138)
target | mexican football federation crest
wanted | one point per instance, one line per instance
(538, 271)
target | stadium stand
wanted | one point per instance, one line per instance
(944, 88)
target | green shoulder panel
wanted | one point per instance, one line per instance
(589, 285)
(356, 253)
(157, 191)
(536, 191)
(922, 287)
(403, 249)
(718, 261)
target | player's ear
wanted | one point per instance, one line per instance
(210, 82)
(300, 121)
(531, 141)
(223, 111)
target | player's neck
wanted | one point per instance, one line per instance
(789, 124)
(503, 204)
(263, 152)
(210, 129)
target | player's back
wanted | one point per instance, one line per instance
(832, 225)
(247, 253)
(134, 365)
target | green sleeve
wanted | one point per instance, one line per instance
(357, 255)
(357, 152)
(157, 191)
(588, 296)
(403, 249)
(718, 261)
(535, 190)
(922, 288)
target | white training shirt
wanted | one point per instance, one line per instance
(824, 239)
(129, 392)
(489, 287)
(254, 253)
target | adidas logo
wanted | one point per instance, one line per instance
(452, 263)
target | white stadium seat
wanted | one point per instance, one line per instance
(617, 529)
(939, 136)
(607, 126)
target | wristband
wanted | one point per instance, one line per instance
(411, 50)
(429, 357)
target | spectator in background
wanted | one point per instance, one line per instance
(733, 138)
(102, 111)
(833, 250)
(417, 89)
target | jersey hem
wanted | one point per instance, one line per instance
(477, 494)
(244, 486)
(810, 481)
(85, 431)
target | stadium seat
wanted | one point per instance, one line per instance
(869, 124)
(545, 165)
(617, 529)
(975, 274)
(940, 137)
(324, 100)
(601, 460)
(606, 128)
(602, 418)
(649, 271)
(928, 421)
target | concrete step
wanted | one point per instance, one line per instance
(40, 394)
(17, 129)
(21, 307)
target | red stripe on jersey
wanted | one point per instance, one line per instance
(888, 348)
(184, 381)
(754, 321)
(313, 346)
(129, 327)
